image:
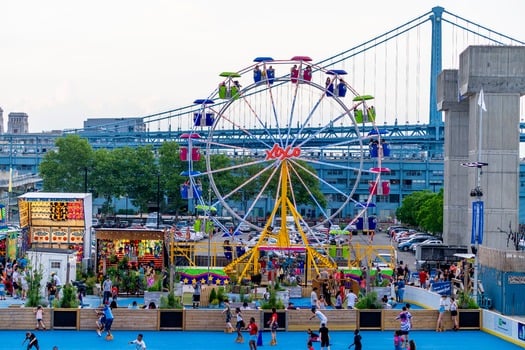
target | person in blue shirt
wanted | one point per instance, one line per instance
(108, 315)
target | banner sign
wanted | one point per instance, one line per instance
(477, 223)
(442, 288)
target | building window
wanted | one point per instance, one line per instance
(55, 265)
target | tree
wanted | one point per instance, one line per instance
(64, 169)
(171, 168)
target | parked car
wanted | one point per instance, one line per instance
(407, 245)
(427, 242)
(244, 227)
(384, 260)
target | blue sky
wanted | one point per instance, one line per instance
(64, 61)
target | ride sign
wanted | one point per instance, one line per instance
(277, 152)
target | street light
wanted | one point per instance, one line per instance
(158, 200)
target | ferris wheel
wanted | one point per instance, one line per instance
(261, 132)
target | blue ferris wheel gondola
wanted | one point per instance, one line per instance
(209, 117)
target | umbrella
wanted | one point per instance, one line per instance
(205, 207)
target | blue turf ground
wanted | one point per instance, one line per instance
(372, 340)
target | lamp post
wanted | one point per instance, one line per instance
(209, 233)
(158, 200)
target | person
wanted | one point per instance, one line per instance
(351, 299)
(253, 331)
(339, 300)
(409, 315)
(404, 324)
(113, 304)
(312, 336)
(133, 305)
(227, 310)
(51, 293)
(411, 345)
(2, 288)
(357, 341)
(291, 306)
(33, 341)
(307, 74)
(57, 283)
(108, 315)
(423, 278)
(273, 326)
(392, 302)
(442, 306)
(239, 325)
(313, 298)
(196, 298)
(39, 315)
(106, 290)
(294, 73)
(257, 74)
(309, 345)
(398, 340)
(321, 303)
(101, 320)
(325, 338)
(401, 289)
(139, 342)
(322, 318)
(454, 313)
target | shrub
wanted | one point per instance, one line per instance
(368, 301)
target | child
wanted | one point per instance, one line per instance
(2, 289)
(239, 325)
(33, 341)
(309, 345)
(357, 341)
(39, 315)
(411, 345)
(139, 342)
(398, 340)
(273, 326)
(312, 337)
(253, 331)
(100, 322)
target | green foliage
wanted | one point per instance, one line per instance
(213, 295)
(221, 294)
(91, 281)
(466, 301)
(368, 301)
(69, 297)
(170, 302)
(34, 280)
(272, 301)
(423, 209)
(64, 169)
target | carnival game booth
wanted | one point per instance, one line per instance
(57, 220)
(137, 245)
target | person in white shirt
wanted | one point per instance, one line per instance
(139, 342)
(313, 298)
(351, 299)
(322, 317)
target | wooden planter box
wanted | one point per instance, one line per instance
(66, 319)
(370, 319)
(22, 318)
(171, 319)
(469, 318)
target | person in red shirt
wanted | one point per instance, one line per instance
(253, 331)
(423, 278)
(273, 326)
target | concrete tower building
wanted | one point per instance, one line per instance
(1, 120)
(17, 123)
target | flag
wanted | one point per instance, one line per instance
(481, 100)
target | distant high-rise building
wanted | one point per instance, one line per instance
(1, 120)
(17, 123)
(115, 124)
